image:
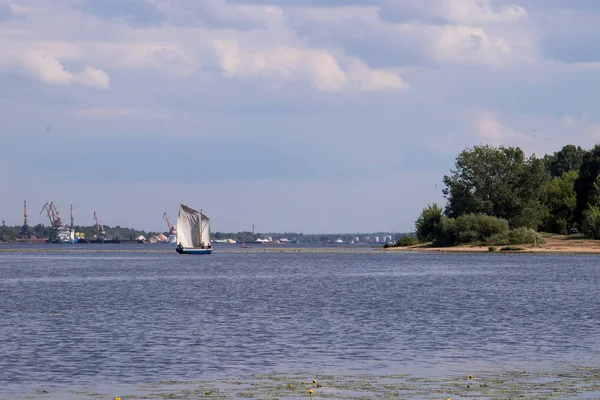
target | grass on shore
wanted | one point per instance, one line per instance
(571, 382)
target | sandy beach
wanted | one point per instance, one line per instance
(554, 244)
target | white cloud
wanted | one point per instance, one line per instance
(476, 11)
(271, 52)
(451, 32)
(455, 11)
(219, 13)
(42, 60)
(360, 76)
(319, 67)
(465, 45)
(47, 68)
(138, 53)
(235, 76)
(94, 77)
(493, 132)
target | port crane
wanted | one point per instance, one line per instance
(25, 229)
(98, 225)
(53, 215)
(45, 208)
(165, 216)
(56, 215)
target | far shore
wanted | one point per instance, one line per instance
(554, 244)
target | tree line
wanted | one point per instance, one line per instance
(248, 237)
(12, 233)
(499, 194)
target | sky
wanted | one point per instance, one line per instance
(293, 115)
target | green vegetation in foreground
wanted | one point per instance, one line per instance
(497, 196)
(572, 382)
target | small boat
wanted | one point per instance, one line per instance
(193, 232)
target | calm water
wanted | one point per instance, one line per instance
(82, 319)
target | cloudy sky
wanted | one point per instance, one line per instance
(293, 115)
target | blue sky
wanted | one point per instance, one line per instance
(293, 115)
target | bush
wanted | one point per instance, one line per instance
(478, 227)
(516, 236)
(525, 236)
(445, 234)
(492, 248)
(470, 228)
(407, 240)
(511, 248)
(500, 239)
(481, 228)
(590, 224)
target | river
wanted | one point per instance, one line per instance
(115, 317)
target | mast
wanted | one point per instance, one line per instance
(71, 216)
(25, 229)
(99, 226)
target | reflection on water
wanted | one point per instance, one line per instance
(83, 318)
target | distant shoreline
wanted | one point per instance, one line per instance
(558, 244)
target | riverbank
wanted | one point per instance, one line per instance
(565, 383)
(554, 244)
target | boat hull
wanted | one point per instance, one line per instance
(194, 251)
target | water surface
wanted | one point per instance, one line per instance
(78, 319)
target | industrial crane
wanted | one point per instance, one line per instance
(98, 225)
(25, 229)
(53, 215)
(57, 219)
(48, 211)
(165, 216)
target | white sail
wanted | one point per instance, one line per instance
(205, 230)
(188, 227)
(193, 228)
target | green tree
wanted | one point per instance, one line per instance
(569, 158)
(587, 188)
(428, 222)
(500, 182)
(560, 201)
(7, 234)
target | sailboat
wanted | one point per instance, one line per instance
(193, 232)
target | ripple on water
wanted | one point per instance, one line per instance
(134, 317)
